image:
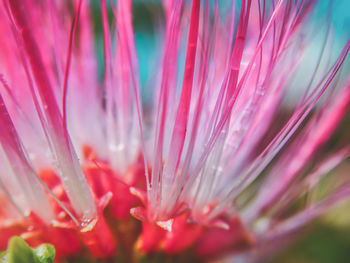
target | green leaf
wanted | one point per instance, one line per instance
(19, 251)
(3, 257)
(45, 253)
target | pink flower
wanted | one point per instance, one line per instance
(209, 167)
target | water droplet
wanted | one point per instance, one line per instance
(87, 223)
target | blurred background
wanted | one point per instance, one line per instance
(327, 239)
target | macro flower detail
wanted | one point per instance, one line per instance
(214, 164)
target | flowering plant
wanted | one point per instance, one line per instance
(206, 171)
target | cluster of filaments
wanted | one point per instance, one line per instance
(221, 78)
(237, 66)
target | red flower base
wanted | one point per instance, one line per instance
(115, 232)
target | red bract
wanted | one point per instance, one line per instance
(211, 167)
